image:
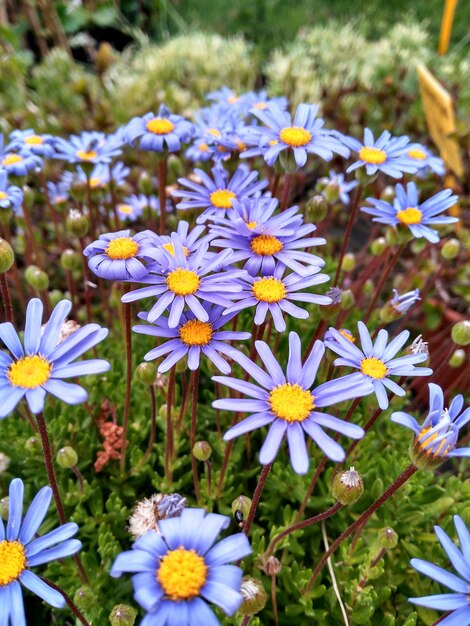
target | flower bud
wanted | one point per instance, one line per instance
(38, 279)
(33, 444)
(104, 57)
(67, 457)
(123, 615)
(146, 373)
(378, 246)
(55, 296)
(368, 287)
(347, 299)
(84, 598)
(388, 313)
(202, 450)
(388, 194)
(287, 162)
(450, 249)
(387, 538)
(418, 245)
(242, 504)
(254, 596)
(349, 262)
(458, 358)
(70, 260)
(145, 184)
(331, 192)
(4, 462)
(347, 486)
(4, 508)
(175, 167)
(461, 333)
(77, 224)
(316, 208)
(7, 256)
(272, 567)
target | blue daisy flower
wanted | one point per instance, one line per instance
(402, 304)
(304, 135)
(435, 440)
(259, 100)
(407, 211)
(11, 196)
(375, 360)
(288, 404)
(17, 162)
(215, 195)
(28, 140)
(160, 131)
(276, 294)
(177, 280)
(255, 235)
(120, 256)
(388, 154)
(132, 207)
(425, 160)
(192, 338)
(456, 603)
(199, 150)
(343, 187)
(40, 366)
(189, 239)
(90, 147)
(59, 192)
(182, 568)
(21, 549)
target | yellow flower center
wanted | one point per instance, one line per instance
(169, 247)
(269, 289)
(95, 182)
(183, 282)
(203, 147)
(347, 335)
(222, 198)
(266, 245)
(375, 156)
(11, 159)
(126, 209)
(29, 372)
(12, 561)
(241, 146)
(291, 402)
(34, 140)
(273, 142)
(214, 132)
(295, 136)
(251, 225)
(411, 215)
(122, 248)
(3, 195)
(160, 126)
(260, 105)
(375, 368)
(182, 573)
(233, 99)
(438, 451)
(417, 154)
(196, 333)
(87, 155)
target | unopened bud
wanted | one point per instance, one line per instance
(368, 287)
(378, 246)
(461, 333)
(348, 486)
(347, 299)
(84, 598)
(254, 596)
(458, 358)
(272, 567)
(4, 507)
(55, 296)
(77, 224)
(387, 538)
(123, 615)
(316, 208)
(331, 192)
(70, 260)
(38, 279)
(67, 457)
(349, 262)
(388, 194)
(145, 184)
(450, 249)
(105, 57)
(146, 373)
(242, 504)
(7, 256)
(32, 444)
(202, 450)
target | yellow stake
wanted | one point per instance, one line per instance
(446, 25)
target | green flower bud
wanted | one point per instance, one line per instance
(347, 487)
(349, 262)
(146, 373)
(287, 162)
(388, 194)
(70, 260)
(7, 256)
(321, 184)
(368, 287)
(378, 246)
(145, 184)
(84, 598)
(316, 208)
(67, 457)
(202, 450)
(458, 358)
(461, 333)
(388, 313)
(38, 280)
(363, 177)
(4, 507)
(175, 167)
(332, 192)
(5, 216)
(254, 596)
(55, 296)
(33, 444)
(242, 504)
(77, 224)
(28, 196)
(450, 249)
(387, 538)
(30, 271)
(347, 299)
(123, 615)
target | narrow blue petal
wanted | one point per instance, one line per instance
(443, 601)
(297, 448)
(15, 509)
(50, 336)
(32, 328)
(230, 549)
(134, 561)
(17, 615)
(227, 598)
(35, 515)
(65, 549)
(42, 589)
(273, 441)
(454, 554)
(59, 534)
(201, 614)
(440, 575)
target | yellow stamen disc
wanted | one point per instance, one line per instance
(291, 402)
(375, 368)
(183, 282)
(95, 182)
(182, 573)
(122, 248)
(233, 99)
(34, 140)
(260, 105)
(347, 335)
(266, 245)
(12, 561)
(3, 195)
(214, 132)
(196, 333)
(87, 155)
(222, 198)
(251, 225)
(411, 215)
(29, 372)
(427, 440)
(374, 156)
(269, 289)
(160, 126)
(11, 159)
(295, 136)
(125, 209)
(169, 247)
(203, 147)
(417, 154)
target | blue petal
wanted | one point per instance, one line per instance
(460, 617)
(67, 548)
(273, 441)
(454, 554)
(133, 561)
(201, 614)
(15, 509)
(208, 532)
(67, 392)
(42, 589)
(257, 420)
(32, 327)
(147, 590)
(9, 402)
(228, 550)
(227, 598)
(50, 336)
(440, 575)
(35, 515)
(297, 448)
(443, 601)
(10, 338)
(35, 399)
(17, 615)
(66, 531)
